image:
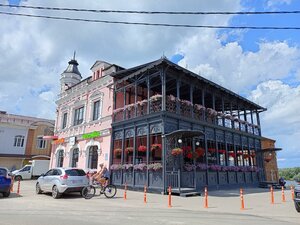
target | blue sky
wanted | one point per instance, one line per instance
(261, 65)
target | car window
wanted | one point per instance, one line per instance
(26, 168)
(49, 173)
(56, 172)
(3, 172)
(75, 172)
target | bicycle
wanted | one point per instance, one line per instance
(109, 190)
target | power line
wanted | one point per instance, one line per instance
(151, 24)
(150, 12)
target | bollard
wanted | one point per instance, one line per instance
(18, 190)
(292, 192)
(145, 194)
(170, 200)
(272, 195)
(242, 199)
(125, 191)
(282, 194)
(12, 184)
(205, 198)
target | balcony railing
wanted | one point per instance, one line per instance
(186, 109)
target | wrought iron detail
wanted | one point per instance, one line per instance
(141, 131)
(170, 127)
(251, 142)
(118, 135)
(209, 134)
(228, 138)
(129, 133)
(257, 144)
(155, 128)
(244, 141)
(237, 140)
(220, 136)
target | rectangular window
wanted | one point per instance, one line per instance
(78, 117)
(40, 143)
(19, 141)
(96, 110)
(64, 122)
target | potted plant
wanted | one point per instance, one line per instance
(140, 166)
(117, 152)
(116, 167)
(142, 148)
(176, 151)
(127, 166)
(156, 147)
(200, 152)
(128, 150)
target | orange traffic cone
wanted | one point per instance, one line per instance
(292, 192)
(169, 199)
(205, 198)
(282, 194)
(272, 195)
(18, 190)
(145, 194)
(125, 191)
(242, 199)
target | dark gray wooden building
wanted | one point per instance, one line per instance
(172, 127)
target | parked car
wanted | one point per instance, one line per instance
(36, 168)
(62, 180)
(5, 181)
(297, 198)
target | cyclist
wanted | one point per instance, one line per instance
(102, 176)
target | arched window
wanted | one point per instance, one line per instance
(19, 141)
(75, 156)
(93, 157)
(60, 158)
(40, 143)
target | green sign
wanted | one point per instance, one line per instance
(91, 135)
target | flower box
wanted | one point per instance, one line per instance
(176, 151)
(155, 166)
(127, 166)
(222, 151)
(116, 167)
(211, 150)
(140, 166)
(200, 152)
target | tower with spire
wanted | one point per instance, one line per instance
(70, 76)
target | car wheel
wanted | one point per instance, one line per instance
(17, 178)
(55, 192)
(6, 194)
(297, 206)
(38, 189)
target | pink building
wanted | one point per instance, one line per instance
(84, 116)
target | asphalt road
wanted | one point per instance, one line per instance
(224, 208)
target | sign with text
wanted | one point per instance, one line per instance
(91, 135)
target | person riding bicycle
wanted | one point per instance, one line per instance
(102, 175)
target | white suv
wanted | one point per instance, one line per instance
(62, 180)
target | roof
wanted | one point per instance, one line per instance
(72, 67)
(125, 74)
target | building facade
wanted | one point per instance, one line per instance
(270, 159)
(21, 139)
(172, 127)
(84, 112)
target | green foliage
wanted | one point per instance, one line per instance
(290, 173)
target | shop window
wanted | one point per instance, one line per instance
(141, 149)
(211, 152)
(231, 155)
(93, 157)
(200, 151)
(246, 157)
(75, 156)
(128, 151)
(155, 154)
(117, 152)
(222, 153)
(239, 155)
(60, 158)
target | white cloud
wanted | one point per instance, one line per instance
(273, 4)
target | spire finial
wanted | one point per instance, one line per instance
(74, 55)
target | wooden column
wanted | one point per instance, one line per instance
(163, 89)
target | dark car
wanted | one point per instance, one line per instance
(297, 198)
(5, 181)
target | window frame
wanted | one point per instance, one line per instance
(19, 141)
(96, 109)
(78, 116)
(41, 143)
(64, 120)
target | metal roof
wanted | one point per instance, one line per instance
(72, 67)
(129, 73)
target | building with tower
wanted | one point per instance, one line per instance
(84, 113)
